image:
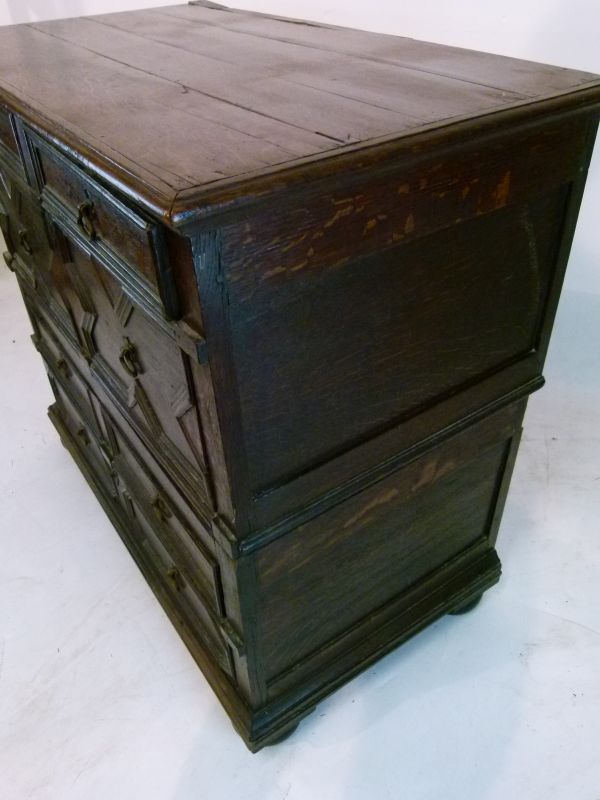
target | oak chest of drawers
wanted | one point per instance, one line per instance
(292, 286)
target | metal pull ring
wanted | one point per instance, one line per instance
(63, 368)
(161, 509)
(9, 258)
(83, 435)
(175, 579)
(24, 241)
(85, 218)
(128, 359)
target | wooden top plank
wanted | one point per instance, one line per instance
(510, 74)
(334, 73)
(179, 104)
(250, 88)
(135, 113)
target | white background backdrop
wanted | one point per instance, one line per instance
(100, 699)
(563, 32)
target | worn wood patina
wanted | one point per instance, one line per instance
(293, 285)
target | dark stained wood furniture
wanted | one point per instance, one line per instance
(293, 285)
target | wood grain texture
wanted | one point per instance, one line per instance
(244, 93)
(401, 344)
(378, 543)
(292, 285)
(7, 135)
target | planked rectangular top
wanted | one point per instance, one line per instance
(194, 106)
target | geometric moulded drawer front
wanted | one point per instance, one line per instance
(100, 217)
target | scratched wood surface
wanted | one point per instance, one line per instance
(402, 336)
(300, 399)
(379, 542)
(186, 97)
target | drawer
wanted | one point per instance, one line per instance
(77, 420)
(183, 536)
(7, 133)
(126, 239)
(183, 572)
(24, 229)
(64, 355)
(64, 370)
(131, 361)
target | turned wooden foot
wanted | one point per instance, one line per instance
(468, 606)
(283, 736)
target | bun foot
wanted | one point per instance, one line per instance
(283, 736)
(468, 606)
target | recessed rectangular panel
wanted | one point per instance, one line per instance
(331, 573)
(385, 337)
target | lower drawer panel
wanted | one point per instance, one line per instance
(64, 371)
(173, 539)
(332, 573)
(62, 355)
(173, 581)
(77, 421)
(176, 578)
(178, 533)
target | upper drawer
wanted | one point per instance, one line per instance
(104, 221)
(10, 157)
(7, 134)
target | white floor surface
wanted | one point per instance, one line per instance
(99, 699)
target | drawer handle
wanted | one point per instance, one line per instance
(161, 509)
(24, 241)
(9, 258)
(85, 218)
(175, 579)
(106, 453)
(83, 435)
(63, 368)
(128, 359)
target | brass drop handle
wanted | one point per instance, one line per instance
(106, 453)
(175, 579)
(63, 368)
(9, 259)
(83, 435)
(85, 218)
(24, 241)
(128, 359)
(161, 509)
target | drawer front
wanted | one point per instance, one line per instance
(7, 134)
(140, 368)
(177, 574)
(24, 228)
(78, 419)
(180, 562)
(64, 372)
(182, 535)
(135, 243)
(65, 354)
(188, 530)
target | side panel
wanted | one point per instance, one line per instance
(364, 318)
(336, 573)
